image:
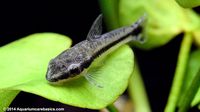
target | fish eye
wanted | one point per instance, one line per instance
(62, 67)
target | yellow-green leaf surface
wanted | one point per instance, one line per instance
(165, 19)
(6, 97)
(27, 57)
(193, 67)
(24, 64)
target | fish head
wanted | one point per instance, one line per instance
(59, 70)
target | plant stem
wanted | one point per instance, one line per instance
(112, 108)
(189, 94)
(179, 73)
(137, 92)
(199, 106)
(110, 13)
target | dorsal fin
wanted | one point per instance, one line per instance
(96, 29)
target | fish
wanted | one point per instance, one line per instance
(74, 61)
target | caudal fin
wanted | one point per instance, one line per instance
(139, 22)
(137, 30)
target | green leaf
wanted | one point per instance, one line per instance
(20, 57)
(192, 69)
(25, 57)
(165, 19)
(6, 96)
(24, 64)
(188, 3)
(29, 57)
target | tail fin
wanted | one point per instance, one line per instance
(139, 22)
(137, 30)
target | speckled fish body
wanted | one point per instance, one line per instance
(71, 62)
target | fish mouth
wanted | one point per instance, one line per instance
(51, 79)
(56, 78)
